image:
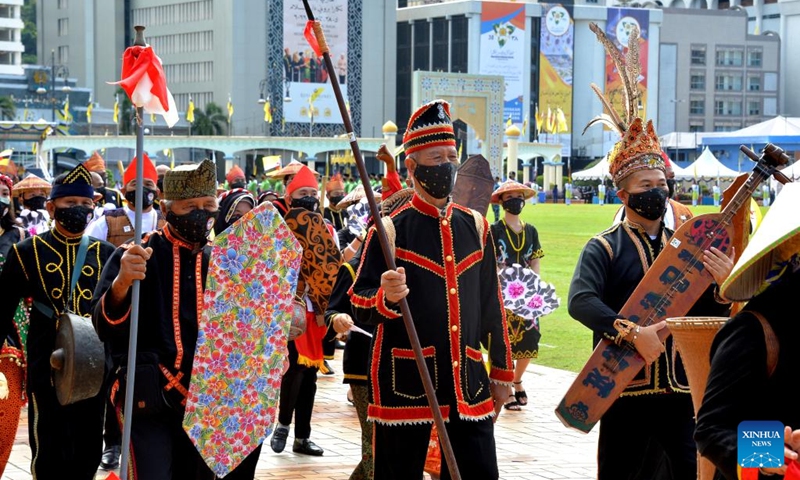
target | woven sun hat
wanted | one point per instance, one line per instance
(356, 196)
(774, 248)
(290, 169)
(511, 186)
(31, 182)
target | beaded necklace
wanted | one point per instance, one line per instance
(522, 234)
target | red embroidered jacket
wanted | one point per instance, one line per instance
(454, 297)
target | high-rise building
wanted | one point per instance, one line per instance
(11, 48)
(225, 51)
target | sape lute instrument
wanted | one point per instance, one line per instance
(671, 286)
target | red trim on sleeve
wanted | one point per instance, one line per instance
(111, 321)
(383, 309)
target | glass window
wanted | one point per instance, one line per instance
(63, 27)
(62, 4)
(459, 48)
(697, 127)
(754, 107)
(770, 106)
(754, 83)
(63, 54)
(754, 58)
(697, 107)
(728, 82)
(6, 58)
(440, 44)
(422, 45)
(770, 82)
(6, 11)
(698, 55)
(6, 35)
(728, 107)
(697, 81)
(730, 57)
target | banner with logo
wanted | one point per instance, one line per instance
(502, 52)
(620, 22)
(556, 47)
(304, 72)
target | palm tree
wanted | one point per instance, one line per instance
(211, 121)
(8, 111)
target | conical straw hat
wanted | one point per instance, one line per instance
(774, 247)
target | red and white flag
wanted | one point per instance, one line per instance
(144, 81)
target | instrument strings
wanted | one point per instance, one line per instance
(758, 176)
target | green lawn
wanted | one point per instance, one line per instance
(563, 231)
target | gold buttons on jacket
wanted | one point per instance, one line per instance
(452, 291)
(444, 223)
(455, 364)
(449, 258)
(454, 328)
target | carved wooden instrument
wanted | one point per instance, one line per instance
(670, 288)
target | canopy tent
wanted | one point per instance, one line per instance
(679, 141)
(597, 172)
(706, 167)
(792, 171)
(779, 130)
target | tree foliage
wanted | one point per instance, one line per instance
(29, 32)
(209, 121)
(8, 111)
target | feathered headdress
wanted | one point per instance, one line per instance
(638, 147)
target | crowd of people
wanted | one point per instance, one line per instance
(67, 246)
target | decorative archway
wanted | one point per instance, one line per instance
(476, 100)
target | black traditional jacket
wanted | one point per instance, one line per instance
(454, 298)
(171, 300)
(41, 267)
(337, 217)
(357, 349)
(609, 269)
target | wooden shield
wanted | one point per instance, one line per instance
(474, 184)
(78, 360)
(321, 257)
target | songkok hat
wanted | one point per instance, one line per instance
(95, 163)
(511, 186)
(639, 147)
(335, 183)
(234, 173)
(304, 178)
(31, 182)
(773, 249)
(290, 169)
(430, 126)
(76, 183)
(148, 167)
(191, 181)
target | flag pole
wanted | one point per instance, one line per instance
(137, 240)
(430, 392)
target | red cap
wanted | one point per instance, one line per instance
(304, 178)
(149, 170)
(234, 173)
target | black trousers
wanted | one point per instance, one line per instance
(636, 428)
(111, 433)
(298, 389)
(65, 440)
(161, 450)
(329, 344)
(400, 450)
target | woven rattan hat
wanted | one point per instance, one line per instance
(511, 186)
(774, 248)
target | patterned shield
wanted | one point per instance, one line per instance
(474, 184)
(242, 350)
(321, 257)
(525, 294)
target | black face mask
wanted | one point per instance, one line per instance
(513, 205)
(309, 203)
(34, 203)
(336, 199)
(437, 181)
(237, 185)
(74, 219)
(671, 187)
(234, 219)
(651, 204)
(194, 226)
(148, 194)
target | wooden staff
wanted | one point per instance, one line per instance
(430, 393)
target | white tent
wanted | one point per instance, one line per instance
(792, 171)
(597, 172)
(707, 167)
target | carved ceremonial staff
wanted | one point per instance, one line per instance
(444, 440)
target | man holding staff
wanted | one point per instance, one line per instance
(447, 272)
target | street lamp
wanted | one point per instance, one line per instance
(56, 71)
(677, 130)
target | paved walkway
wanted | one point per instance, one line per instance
(531, 444)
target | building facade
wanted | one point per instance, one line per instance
(219, 51)
(11, 48)
(720, 78)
